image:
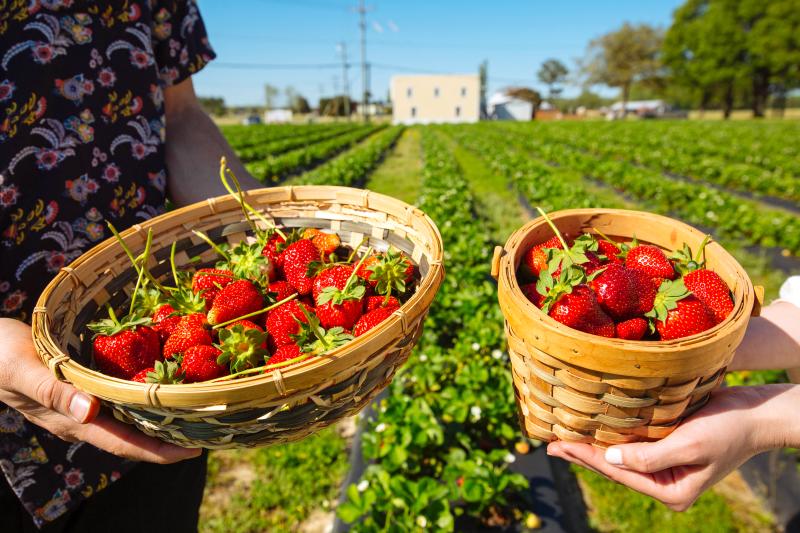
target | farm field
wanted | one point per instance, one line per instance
(445, 435)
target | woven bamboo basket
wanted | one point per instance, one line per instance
(573, 386)
(285, 405)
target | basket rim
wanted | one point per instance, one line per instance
(184, 394)
(508, 276)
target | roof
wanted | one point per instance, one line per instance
(638, 104)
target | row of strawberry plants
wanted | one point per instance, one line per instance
(275, 169)
(651, 151)
(284, 144)
(731, 217)
(353, 166)
(240, 136)
(439, 447)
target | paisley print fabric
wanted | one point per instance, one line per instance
(81, 144)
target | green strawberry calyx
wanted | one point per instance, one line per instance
(112, 325)
(389, 271)
(241, 347)
(165, 372)
(667, 298)
(313, 339)
(353, 288)
(685, 262)
(554, 288)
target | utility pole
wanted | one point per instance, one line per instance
(362, 10)
(345, 81)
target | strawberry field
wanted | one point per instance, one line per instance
(441, 448)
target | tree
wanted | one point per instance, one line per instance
(291, 94)
(300, 105)
(528, 95)
(212, 105)
(335, 107)
(270, 92)
(622, 57)
(553, 73)
(483, 73)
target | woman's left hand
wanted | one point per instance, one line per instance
(736, 424)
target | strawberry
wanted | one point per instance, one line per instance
(284, 321)
(165, 372)
(296, 260)
(645, 288)
(243, 345)
(335, 276)
(338, 294)
(632, 329)
(689, 317)
(207, 282)
(313, 339)
(610, 250)
(616, 293)
(165, 321)
(190, 332)
(579, 310)
(709, 288)
(592, 264)
(271, 250)
(283, 354)
(372, 319)
(124, 348)
(326, 243)
(374, 302)
(237, 299)
(651, 260)
(200, 364)
(530, 292)
(536, 258)
(386, 272)
(280, 290)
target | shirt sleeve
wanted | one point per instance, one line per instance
(790, 291)
(180, 42)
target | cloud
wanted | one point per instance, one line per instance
(377, 27)
(393, 26)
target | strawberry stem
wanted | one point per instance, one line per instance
(553, 227)
(172, 264)
(605, 237)
(259, 369)
(310, 320)
(355, 250)
(354, 273)
(145, 257)
(223, 169)
(134, 260)
(213, 245)
(254, 313)
(702, 250)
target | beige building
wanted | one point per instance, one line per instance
(423, 99)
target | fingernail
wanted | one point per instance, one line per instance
(614, 456)
(79, 407)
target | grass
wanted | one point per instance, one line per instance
(613, 507)
(275, 488)
(400, 173)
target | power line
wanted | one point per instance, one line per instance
(273, 66)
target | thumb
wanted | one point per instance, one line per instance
(40, 385)
(649, 457)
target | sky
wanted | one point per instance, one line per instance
(295, 42)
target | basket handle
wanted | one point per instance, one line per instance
(499, 252)
(759, 300)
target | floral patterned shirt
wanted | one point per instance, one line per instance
(81, 143)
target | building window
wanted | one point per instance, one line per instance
(463, 91)
(436, 92)
(458, 111)
(409, 92)
(413, 111)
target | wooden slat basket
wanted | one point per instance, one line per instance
(578, 387)
(285, 405)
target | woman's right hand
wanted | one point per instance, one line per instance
(29, 387)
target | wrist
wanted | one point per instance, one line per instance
(772, 416)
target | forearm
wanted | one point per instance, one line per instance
(772, 340)
(772, 416)
(194, 147)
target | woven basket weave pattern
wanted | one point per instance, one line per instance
(582, 388)
(286, 405)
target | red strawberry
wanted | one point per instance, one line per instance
(593, 264)
(709, 287)
(610, 250)
(374, 302)
(530, 292)
(207, 282)
(343, 315)
(283, 354)
(200, 364)
(246, 324)
(616, 293)
(580, 310)
(651, 260)
(338, 294)
(536, 258)
(296, 259)
(243, 345)
(632, 329)
(237, 299)
(163, 323)
(125, 353)
(273, 250)
(645, 289)
(282, 322)
(365, 270)
(281, 290)
(689, 317)
(371, 319)
(389, 271)
(335, 276)
(142, 375)
(190, 332)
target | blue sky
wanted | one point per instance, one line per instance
(403, 36)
